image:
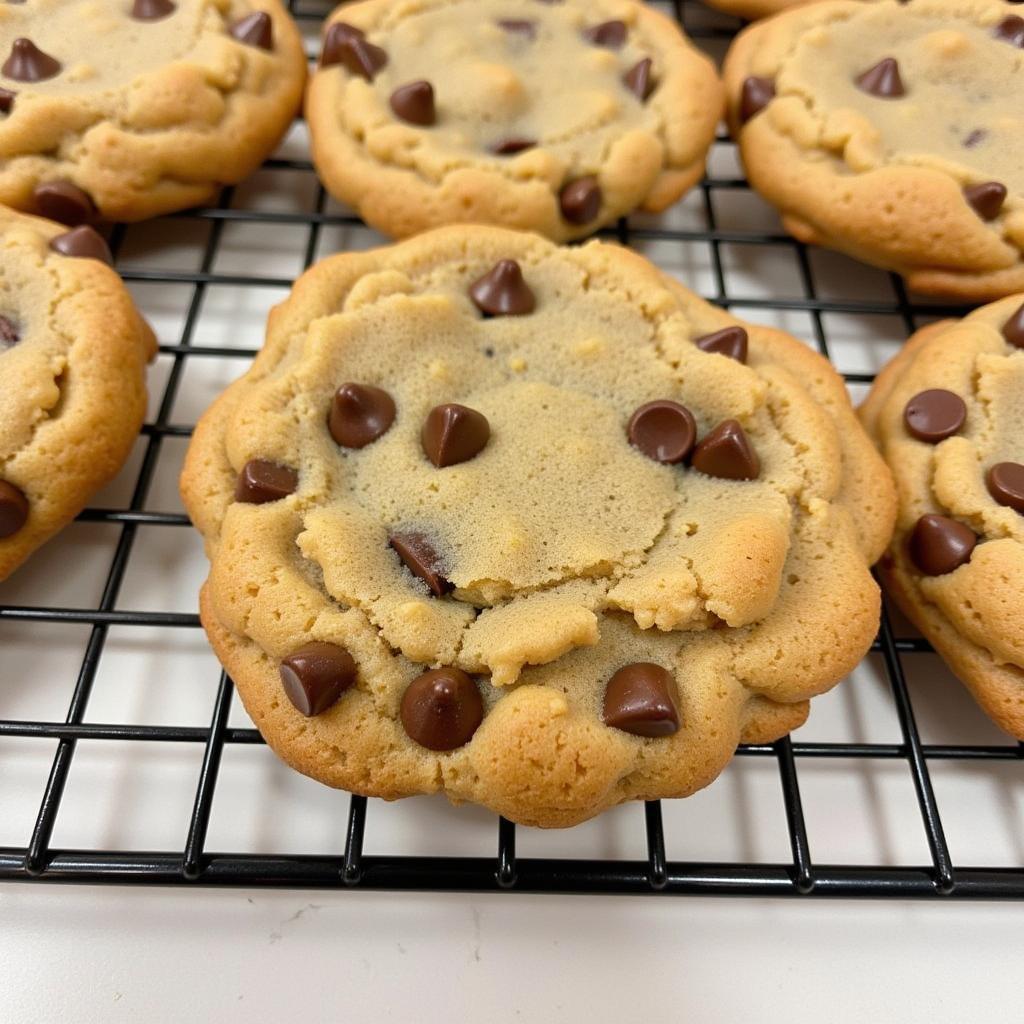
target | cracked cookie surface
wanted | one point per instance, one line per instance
(558, 118)
(129, 109)
(889, 131)
(947, 413)
(73, 353)
(492, 516)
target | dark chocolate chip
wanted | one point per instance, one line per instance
(316, 675)
(360, 413)
(882, 80)
(639, 700)
(442, 709)
(420, 558)
(519, 27)
(454, 433)
(152, 10)
(1013, 329)
(939, 545)
(986, 198)
(338, 34)
(934, 415)
(347, 45)
(414, 103)
(663, 430)
(1011, 30)
(727, 453)
(27, 63)
(13, 509)
(261, 481)
(84, 243)
(506, 147)
(1005, 482)
(729, 341)
(609, 33)
(755, 95)
(64, 202)
(639, 80)
(580, 200)
(9, 333)
(255, 29)
(502, 291)
(6, 100)
(974, 137)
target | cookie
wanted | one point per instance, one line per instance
(73, 352)
(888, 131)
(532, 526)
(131, 109)
(946, 414)
(556, 117)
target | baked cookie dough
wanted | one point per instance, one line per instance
(558, 117)
(73, 352)
(131, 108)
(532, 526)
(947, 414)
(890, 131)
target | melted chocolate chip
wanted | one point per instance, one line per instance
(883, 80)
(639, 700)
(64, 202)
(316, 675)
(939, 545)
(261, 481)
(502, 291)
(507, 147)
(83, 243)
(974, 137)
(6, 100)
(442, 709)
(13, 509)
(729, 341)
(9, 333)
(663, 430)
(580, 200)
(934, 415)
(255, 29)
(420, 558)
(340, 32)
(639, 79)
(986, 199)
(1013, 329)
(152, 10)
(454, 433)
(27, 63)
(414, 103)
(755, 95)
(1011, 30)
(360, 413)
(519, 27)
(347, 45)
(1005, 481)
(611, 34)
(727, 453)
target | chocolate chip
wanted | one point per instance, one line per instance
(727, 453)
(9, 333)
(639, 700)
(939, 545)
(609, 33)
(639, 79)
(502, 291)
(255, 29)
(27, 63)
(519, 27)
(316, 675)
(6, 100)
(454, 433)
(83, 243)
(347, 45)
(756, 94)
(360, 413)
(506, 147)
(882, 80)
(729, 341)
(1005, 482)
(339, 33)
(64, 202)
(420, 558)
(13, 509)
(415, 103)
(974, 137)
(261, 481)
(934, 415)
(986, 198)
(580, 200)
(1013, 329)
(152, 10)
(442, 709)
(1011, 30)
(663, 430)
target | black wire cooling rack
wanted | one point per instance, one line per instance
(195, 865)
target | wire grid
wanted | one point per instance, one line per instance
(195, 865)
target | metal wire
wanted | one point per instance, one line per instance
(194, 865)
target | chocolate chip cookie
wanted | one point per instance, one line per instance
(130, 109)
(532, 526)
(947, 414)
(890, 131)
(554, 116)
(73, 352)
